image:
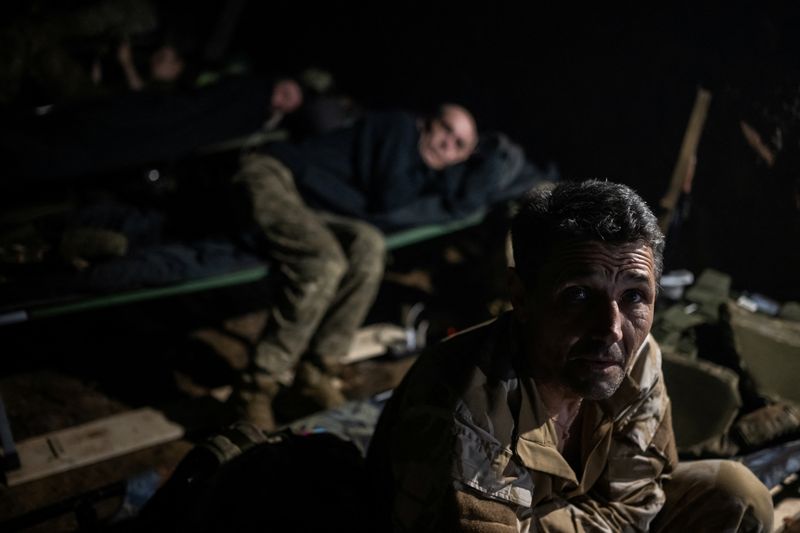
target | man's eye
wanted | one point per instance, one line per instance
(574, 295)
(633, 296)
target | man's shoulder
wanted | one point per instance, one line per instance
(446, 371)
(428, 396)
(471, 346)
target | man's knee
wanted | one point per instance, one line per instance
(368, 250)
(329, 264)
(727, 490)
(738, 482)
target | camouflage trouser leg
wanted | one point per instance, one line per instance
(317, 278)
(306, 255)
(714, 496)
(365, 249)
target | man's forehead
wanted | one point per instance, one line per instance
(460, 121)
(585, 258)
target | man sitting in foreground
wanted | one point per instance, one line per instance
(555, 416)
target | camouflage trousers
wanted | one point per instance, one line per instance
(329, 269)
(714, 495)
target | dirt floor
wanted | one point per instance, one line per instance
(44, 401)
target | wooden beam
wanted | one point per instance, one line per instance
(685, 162)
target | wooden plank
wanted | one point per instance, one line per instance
(683, 166)
(89, 443)
(9, 459)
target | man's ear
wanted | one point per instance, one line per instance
(518, 294)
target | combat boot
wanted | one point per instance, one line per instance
(311, 391)
(252, 399)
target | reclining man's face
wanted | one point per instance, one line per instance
(166, 64)
(589, 313)
(286, 97)
(449, 139)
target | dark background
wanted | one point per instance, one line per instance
(601, 91)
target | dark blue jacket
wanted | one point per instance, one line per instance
(373, 171)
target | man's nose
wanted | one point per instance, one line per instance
(448, 144)
(608, 322)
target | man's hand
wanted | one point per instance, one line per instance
(125, 58)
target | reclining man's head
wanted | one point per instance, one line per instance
(448, 137)
(588, 256)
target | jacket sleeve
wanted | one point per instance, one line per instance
(479, 515)
(431, 467)
(429, 489)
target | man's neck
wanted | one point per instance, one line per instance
(562, 406)
(556, 397)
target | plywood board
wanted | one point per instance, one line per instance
(92, 442)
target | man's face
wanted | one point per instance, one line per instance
(450, 139)
(287, 96)
(166, 64)
(589, 313)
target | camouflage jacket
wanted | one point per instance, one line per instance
(464, 444)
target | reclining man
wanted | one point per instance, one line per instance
(305, 201)
(555, 416)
